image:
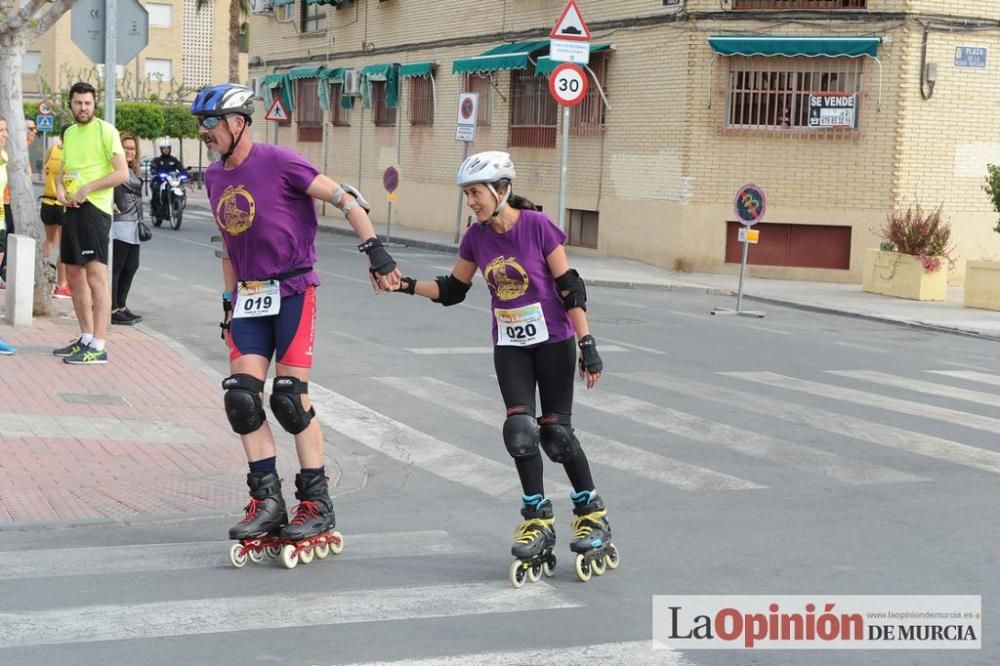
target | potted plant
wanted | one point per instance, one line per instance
(914, 256)
(982, 278)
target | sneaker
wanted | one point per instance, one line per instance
(121, 319)
(6, 349)
(62, 292)
(88, 356)
(72, 348)
(131, 315)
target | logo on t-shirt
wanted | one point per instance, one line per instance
(506, 278)
(236, 210)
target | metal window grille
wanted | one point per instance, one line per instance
(339, 116)
(421, 101)
(587, 117)
(533, 112)
(799, 4)
(786, 94)
(310, 17)
(476, 83)
(381, 114)
(308, 113)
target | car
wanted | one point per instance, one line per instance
(144, 167)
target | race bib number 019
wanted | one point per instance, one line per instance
(521, 327)
(258, 299)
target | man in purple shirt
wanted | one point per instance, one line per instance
(262, 197)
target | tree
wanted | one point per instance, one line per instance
(19, 27)
(144, 119)
(237, 10)
(178, 123)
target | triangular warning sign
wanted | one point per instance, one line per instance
(570, 24)
(277, 111)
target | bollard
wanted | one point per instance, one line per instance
(20, 279)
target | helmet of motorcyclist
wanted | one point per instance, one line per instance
(165, 147)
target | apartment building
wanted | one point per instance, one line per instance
(840, 110)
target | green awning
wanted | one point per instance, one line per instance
(545, 65)
(377, 72)
(388, 73)
(335, 3)
(305, 73)
(812, 47)
(334, 75)
(281, 3)
(277, 82)
(416, 69)
(505, 56)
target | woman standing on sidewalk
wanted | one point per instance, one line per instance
(539, 306)
(5, 349)
(52, 214)
(125, 232)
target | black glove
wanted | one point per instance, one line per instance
(227, 307)
(379, 259)
(407, 285)
(590, 360)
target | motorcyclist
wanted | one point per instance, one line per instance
(165, 163)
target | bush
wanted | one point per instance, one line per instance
(992, 188)
(923, 234)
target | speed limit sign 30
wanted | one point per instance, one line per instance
(568, 84)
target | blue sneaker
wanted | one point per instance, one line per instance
(6, 349)
(87, 356)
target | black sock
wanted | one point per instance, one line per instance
(317, 471)
(265, 466)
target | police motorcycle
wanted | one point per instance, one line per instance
(169, 188)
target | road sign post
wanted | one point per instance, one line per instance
(390, 181)
(749, 206)
(468, 104)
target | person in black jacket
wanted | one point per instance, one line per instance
(165, 163)
(125, 232)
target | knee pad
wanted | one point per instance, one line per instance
(244, 409)
(558, 440)
(287, 405)
(520, 434)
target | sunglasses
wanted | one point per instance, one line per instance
(33, 129)
(209, 122)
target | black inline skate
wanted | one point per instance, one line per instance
(591, 536)
(534, 538)
(258, 532)
(311, 530)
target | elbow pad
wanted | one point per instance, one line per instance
(571, 282)
(345, 205)
(451, 290)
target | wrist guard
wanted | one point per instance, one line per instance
(378, 257)
(590, 360)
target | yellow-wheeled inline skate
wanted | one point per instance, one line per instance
(534, 540)
(595, 553)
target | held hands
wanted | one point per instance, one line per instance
(382, 283)
(80, 197)
(382, 272)
(591, 365)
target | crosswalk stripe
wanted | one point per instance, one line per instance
(599, 449)
(634, 653)
(929, 388)
(747, 442)
(109, 622)
(78, 561)
(412, 447)
(970, 375)
(484, 349)
(840, 424)
(868, 399)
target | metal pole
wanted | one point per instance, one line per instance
(564, 169)
(399, 153)
(458, 213)
(743, 265)
(110, 85)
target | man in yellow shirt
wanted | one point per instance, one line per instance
(93, 164)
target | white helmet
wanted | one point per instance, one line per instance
(488, 168)
(165, 143)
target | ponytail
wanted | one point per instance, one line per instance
(520, 203)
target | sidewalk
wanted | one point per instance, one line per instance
(144, 436)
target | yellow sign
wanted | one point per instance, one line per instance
(753, 235)
(392, 196)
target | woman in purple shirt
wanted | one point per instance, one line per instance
(539, 309)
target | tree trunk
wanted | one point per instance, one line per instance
(22, 194)
(235, 14)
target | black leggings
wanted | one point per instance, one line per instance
(552, 367)
(126, 263)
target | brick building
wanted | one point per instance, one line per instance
(841, 110)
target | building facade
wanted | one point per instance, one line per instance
(840, 110)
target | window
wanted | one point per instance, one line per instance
(583, 228)
(160, 16)
(817, 95)
(311, 17)
(532, 111)
(339, 116)
(308, 113)
(31, 61)
(158, 70)
(587, 117)
(421, 101)
(799, 4)
(477, 83)
(382, 114)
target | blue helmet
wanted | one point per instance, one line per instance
(224, 99)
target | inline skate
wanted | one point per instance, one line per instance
(259, 531)
(591, 536)
(310, 531)
(534, 538)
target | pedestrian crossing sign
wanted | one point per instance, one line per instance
(277, 111)
(43, 123)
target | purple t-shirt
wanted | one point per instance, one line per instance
(515, 269)
(268, 221)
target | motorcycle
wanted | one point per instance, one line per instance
(169, 188)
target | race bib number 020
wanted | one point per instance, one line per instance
(258, 299)
(521, 327)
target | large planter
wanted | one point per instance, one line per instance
(903, 276)
(982, 284)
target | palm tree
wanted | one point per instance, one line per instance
(237, 10)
